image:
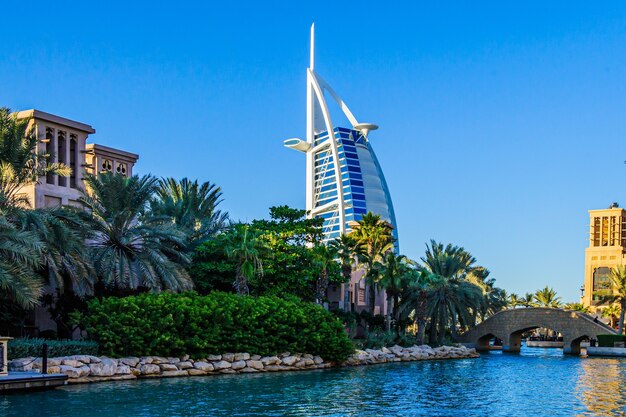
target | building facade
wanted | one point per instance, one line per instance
(607, 249)
(344, 180)
(65, 141)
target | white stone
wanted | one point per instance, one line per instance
(150, 369)
(184, 365)
(289, 360)
(122, 370)
(71, 362)
(238, 365)
(132, 361)
(203, 366)
(270, 360)
(168, 367)
(218, 366)
(241, 356)
(254, 364)
(73, 372)
(107, 367)
(229, 357)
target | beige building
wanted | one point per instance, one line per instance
(66, 141)
(607, 249)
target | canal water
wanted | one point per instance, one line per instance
(535, 382)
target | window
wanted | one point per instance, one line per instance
(74, 163)
(122, 169)
(106, 166)
(49, 151)
(601, 281)
(62, 154)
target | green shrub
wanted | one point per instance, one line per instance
(608, 340)
(169, 324)
(21, 348)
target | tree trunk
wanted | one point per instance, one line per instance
(395, 313)
(241, 283)
(620, 326)
(372, 297)
(389, 307)
(421, 330)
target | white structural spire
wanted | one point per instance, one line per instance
(312, 64)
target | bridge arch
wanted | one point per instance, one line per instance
(509, 325)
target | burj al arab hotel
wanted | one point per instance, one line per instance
(343, 177)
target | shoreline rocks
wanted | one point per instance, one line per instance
(86, 369)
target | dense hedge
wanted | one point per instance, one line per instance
(608, 340)
(169, 324)
(21, 348)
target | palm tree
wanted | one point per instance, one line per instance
(21, 163)
(546, 297)
(576, 307)
(415, 298)
(20, 258)
(528, 300)
(515, 300)
(451, 302)
(244, 247)
(192, 207)
(347, 251)
(393, 276)
(617, 293)
(130, 247)
(375, 239)
(612, 311)
(65, 260)
(447, 261)
(323, 257)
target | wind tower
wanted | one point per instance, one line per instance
(343, 177)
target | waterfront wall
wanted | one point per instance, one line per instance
(86, 368)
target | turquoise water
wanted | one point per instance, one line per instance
(536, 382)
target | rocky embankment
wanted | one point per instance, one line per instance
(85, 368)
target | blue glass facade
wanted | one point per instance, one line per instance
(363, 186)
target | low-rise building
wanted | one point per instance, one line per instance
(607, 249)
(65, 141)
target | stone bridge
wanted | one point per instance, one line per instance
(508, 325)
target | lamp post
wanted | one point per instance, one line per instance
(4, 363)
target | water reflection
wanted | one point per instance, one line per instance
(602, 386)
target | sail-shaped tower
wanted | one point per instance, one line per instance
(343, 177)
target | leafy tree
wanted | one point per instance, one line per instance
(131, 248)
(244, 247)
(192, 207)
(546, 297)
(617, 293)
(375, 239)
(324, 259)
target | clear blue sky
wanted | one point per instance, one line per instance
(501, 125)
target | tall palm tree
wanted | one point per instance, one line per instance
(394, 272)
(546, 297)
(415, 298)
(130, 247)
(347, 251)
(192, 207)
(375, 239)
(20, 258)
(451, 303)
(244, 247)
(617, 293)
(576, 307)
(447, 261)
(323, 257)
